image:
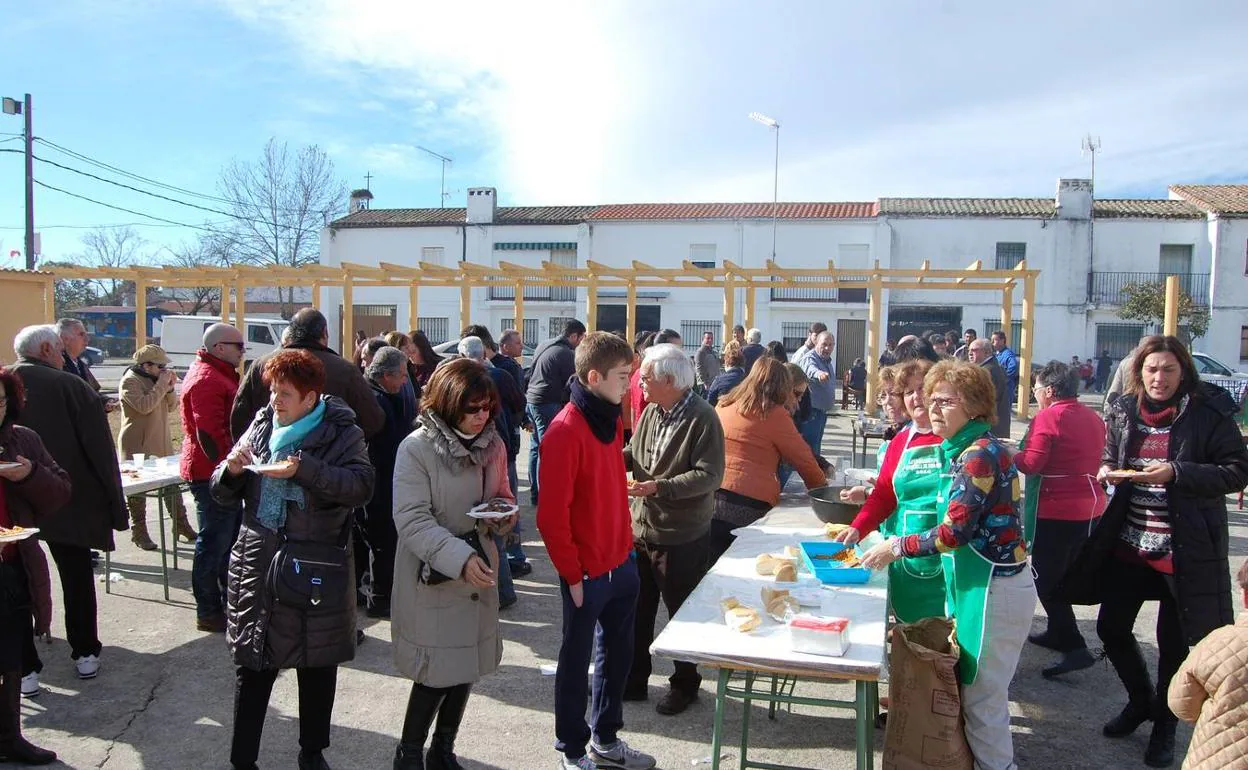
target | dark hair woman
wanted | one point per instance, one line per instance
(444, 608)
(300, 470)
(31, 486)
(776, 350)
(1061, 455)
(421, 354)
(1174, 452)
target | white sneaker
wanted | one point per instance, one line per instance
(584, 763)
(620, 755)
(30, 685)
(88, 666)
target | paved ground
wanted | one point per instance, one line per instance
(164, 695)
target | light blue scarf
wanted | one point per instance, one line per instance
(284, 440)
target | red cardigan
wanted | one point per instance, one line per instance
(882, 502)
(1064, 447)
(582, 512)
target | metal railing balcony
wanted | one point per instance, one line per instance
(535, 293)
(1107, 288)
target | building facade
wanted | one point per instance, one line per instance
(1087, 251)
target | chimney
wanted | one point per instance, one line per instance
(1074, 199)
(359, 200)
(482, 205)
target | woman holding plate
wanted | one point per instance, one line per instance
(989, 587)
(903, 501)
(444, 606)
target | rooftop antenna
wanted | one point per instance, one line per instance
(445, 162)
(1091, 146)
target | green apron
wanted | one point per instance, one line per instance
(915, 587)
(968, 574)
(1031, 498)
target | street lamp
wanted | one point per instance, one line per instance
(774, 124)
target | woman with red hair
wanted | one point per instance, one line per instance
(32, 485)
(300, 470)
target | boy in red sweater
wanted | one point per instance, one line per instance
(583, 517)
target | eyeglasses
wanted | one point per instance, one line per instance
(239, 345)
(472, 409)
(941, 404)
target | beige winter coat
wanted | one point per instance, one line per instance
(145, 408)
(445, 634)
(1211, 689)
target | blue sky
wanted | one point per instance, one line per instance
(600, 102)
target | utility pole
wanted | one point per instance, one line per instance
(14, 107)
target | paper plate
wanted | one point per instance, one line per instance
(21, 534)
(260, 468)
(479, 512)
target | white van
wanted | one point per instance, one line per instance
(183, 335)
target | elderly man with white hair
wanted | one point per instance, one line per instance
(69, 416)
(676, 456)
(982, 354)
(753, 348)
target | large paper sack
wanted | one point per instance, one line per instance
(925, 709)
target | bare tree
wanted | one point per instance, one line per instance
(280, 203)
(210, 249)
(112, 247)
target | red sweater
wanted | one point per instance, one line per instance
(582, 511)
(1064, 448)
(207, 398)
(882, 502)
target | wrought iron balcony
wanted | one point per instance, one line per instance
(535, 293)
(1107, 288)
(819, 294)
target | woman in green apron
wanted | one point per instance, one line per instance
(892, 406)
(989, 587)
(903, 502)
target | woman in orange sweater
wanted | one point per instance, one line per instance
(758, 434)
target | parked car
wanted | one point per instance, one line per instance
(182, 336)
(94, 356)
(1209, 367)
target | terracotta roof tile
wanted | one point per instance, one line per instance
(814, 210)
(966, 207)
(1145, 208)
(1222, 199)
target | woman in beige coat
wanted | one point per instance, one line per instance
(444, 603)
(147, 400)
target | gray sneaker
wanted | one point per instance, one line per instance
(584, 763)
(620, 755)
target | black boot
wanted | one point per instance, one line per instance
(1071, 661)
(1128, 662)
(13, 747)
(1160, 751)
(1134, 715)
(312, 760)
(422, 707)
(441, 754)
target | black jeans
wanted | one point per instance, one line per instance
(317, 687)
(382, 541)
(1057, 543)
(670, 573)
(73, 563)
(1127, 587)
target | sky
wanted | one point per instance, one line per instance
(618, 101)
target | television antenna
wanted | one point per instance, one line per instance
(445, 162)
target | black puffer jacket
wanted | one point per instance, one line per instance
(1210, 462)
(336, 477)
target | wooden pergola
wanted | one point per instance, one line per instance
(465, 276)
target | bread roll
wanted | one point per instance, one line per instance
(792, 552)
(742, 619)
(786, 572)
(832, 530)
(765, 564)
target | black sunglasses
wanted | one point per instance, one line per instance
(469, 410)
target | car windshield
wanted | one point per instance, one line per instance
(1209, 365)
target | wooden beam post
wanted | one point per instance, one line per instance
(591, 305)
(348, 317)
(413, 306)
(140, 314)
(1023, 403)
(465, 301)
(750, 297)
(520, 309)
(316, 295)
(729, 307)
(630, 327)
(874, 333)
(1007, 315)
(225, 303)
(1170, 327)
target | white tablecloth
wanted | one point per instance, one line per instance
(150, 477)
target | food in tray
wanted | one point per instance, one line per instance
(779, 603)
(738, 617)
(786, 571)
(13, 530)
(847, 558)
(832, 530)
(819, 635)
(497, 505)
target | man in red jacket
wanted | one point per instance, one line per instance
(584, 519)
(207, 397)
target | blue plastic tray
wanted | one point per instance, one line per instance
(829, 571)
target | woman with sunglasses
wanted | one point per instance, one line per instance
(147, 400)
(444, 603)
(903, 501)
(983, 552)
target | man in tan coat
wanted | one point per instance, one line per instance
(147, 400)
(1211, 689)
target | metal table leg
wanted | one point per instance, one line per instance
(745, 716)
(717, 731)
(108, 562)
(164, 555)
(865, 720)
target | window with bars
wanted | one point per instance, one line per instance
(557, 322)
(1243, 343)
(691, 334)
(434, 255)
(528, 335)
(1010, 254)
(438, 330)
(793, 334)
(1118, 339)
(1011, 339)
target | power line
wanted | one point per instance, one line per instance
(105, 225)
(119, 208)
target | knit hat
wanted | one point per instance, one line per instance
(151, 354)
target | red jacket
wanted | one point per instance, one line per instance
(882, 502)
(582, 512)
(207, 398)
(1064, 447)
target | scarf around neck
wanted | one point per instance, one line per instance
(284, 440)
(1159, 414)
(603, 416)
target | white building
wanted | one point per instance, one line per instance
(1085, 260)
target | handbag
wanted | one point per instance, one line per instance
(431, 577)
(308, 575)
